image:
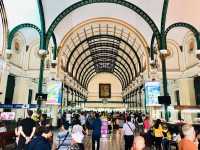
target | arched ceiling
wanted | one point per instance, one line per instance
(178, 11)
(154, 10)
(1, 35)
(103, 45)
(3, 28)
(103, 10)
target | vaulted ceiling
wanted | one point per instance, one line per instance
(97, 47)
(64, 13)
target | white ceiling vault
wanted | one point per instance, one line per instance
(154, 10)
(96, 39)
(61, 17)
(178, 11)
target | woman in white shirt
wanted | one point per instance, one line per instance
(77, 134)
(128, 130)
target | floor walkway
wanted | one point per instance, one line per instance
(114, 141)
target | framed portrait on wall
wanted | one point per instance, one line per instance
(104, 91)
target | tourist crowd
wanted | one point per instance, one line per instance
(35, 132)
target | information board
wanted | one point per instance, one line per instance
(7, 116)
(54, 92)
(152, 91)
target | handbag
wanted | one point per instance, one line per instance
(62, 141)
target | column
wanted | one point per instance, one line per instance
(133, 99)
(140, 98)
(164, 75)
(136, 99)
(72, 95)
(126, 101)
(41, 78)
(130, 99)
(75, 97)
(67, 97)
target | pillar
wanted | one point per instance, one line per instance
(67, 98)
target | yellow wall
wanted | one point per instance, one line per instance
(107, 78)
(187, 95)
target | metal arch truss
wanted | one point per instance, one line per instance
(121, 68)
(188, 26)
(124, 3)
(17, 28)
(4, 22)
(29, 25)
(117, 72)
(110, 66)
(103, 54)
(103, 36)
(54, 50)
(104, 51)
(175, 25)
(108, 60)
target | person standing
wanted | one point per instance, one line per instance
(78, 134)
(189, 142)
(147, 124)
(69, 117)
(128, 130)
(158, 132)
(41, 140)
(140, 123)
(147, 133)
(27, 130)
(96, 133)
(17, 131)
(63, 118)
(83, 120)
(63, 138)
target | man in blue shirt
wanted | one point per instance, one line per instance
(96, 134)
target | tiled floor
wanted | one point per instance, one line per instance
(112, 142)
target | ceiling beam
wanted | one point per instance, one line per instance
(124, 3)
(103, 36)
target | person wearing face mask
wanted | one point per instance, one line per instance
(189, 142)
(41, 140)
